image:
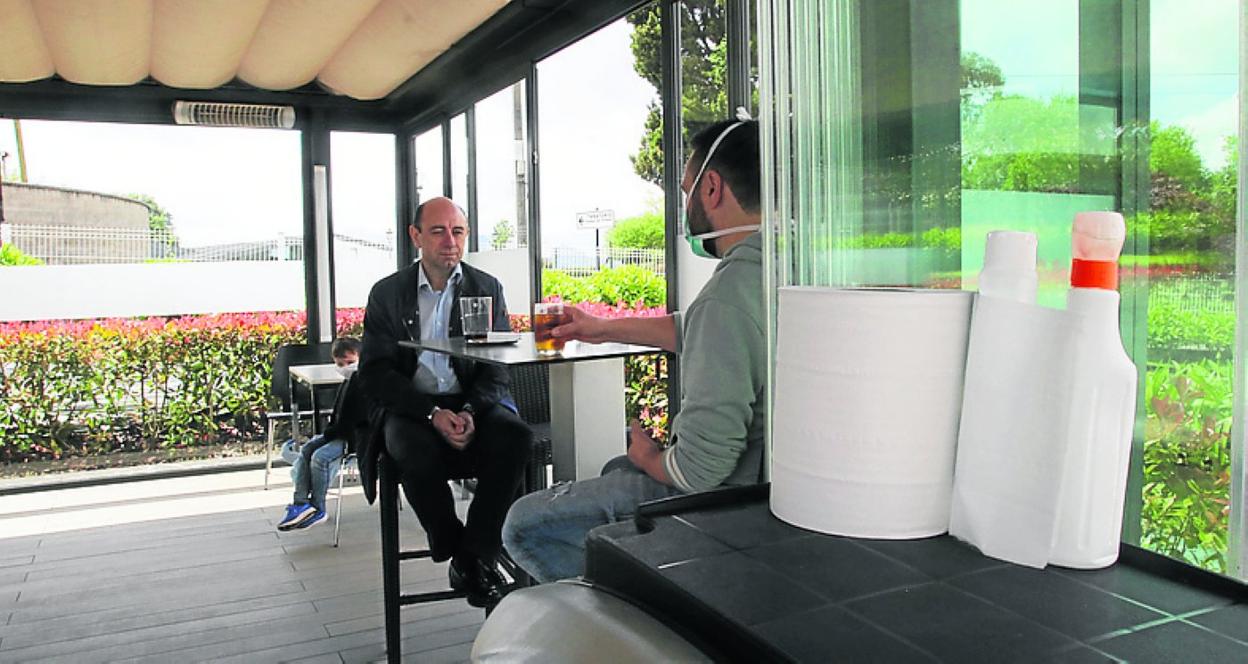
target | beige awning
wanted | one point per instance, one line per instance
(363, 49)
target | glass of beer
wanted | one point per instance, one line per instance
(477, 315)
(546, 317)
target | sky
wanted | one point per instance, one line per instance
(227, 185)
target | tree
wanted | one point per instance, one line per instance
(1172, 159)
(158, 218)
(502, 235)
(640, 232)
(703, 65)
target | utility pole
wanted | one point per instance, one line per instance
(21, 152)
(3, 156)
(522, 205)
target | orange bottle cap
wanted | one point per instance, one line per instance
(1094, 274)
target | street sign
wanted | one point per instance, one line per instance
(595, 219)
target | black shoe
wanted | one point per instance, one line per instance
(480, 581)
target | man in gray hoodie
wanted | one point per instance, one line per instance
(717, 439)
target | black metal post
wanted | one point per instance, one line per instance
(673, 167)
(535, 221)
(314, 142)
(389, 497)
(405, 176)
(737, 17)
(474, 226)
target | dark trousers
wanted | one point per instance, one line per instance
(496, 457)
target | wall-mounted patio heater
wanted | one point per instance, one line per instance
(221, 114)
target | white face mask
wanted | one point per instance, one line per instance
(348, 370)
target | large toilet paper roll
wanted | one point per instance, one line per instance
(867, 397)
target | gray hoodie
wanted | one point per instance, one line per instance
(719, 433)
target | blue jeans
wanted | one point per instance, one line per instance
(312, 468)
(545, 530)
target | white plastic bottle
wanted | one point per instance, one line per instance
(1009, 266)
(1087, 531)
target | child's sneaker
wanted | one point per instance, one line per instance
(317, 517)
(295, 515)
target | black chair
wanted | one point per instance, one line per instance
(530, 387)
(280, 389)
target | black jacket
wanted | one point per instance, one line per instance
(387, 369)
(351, 412)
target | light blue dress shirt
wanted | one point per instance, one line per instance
(434, 374)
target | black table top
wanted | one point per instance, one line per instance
(525, 352)
(745, 586)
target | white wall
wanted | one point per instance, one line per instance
(51, 292)
(694, 273)
(154, 289)
(511, 267)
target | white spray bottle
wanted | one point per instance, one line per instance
(1088, 529)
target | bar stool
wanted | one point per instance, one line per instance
(392, 554)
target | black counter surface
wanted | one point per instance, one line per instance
(745, 586)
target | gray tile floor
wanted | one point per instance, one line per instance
(115, 574)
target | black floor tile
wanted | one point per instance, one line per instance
(1231, 621)
(1056, 601)
(831, 634)
(671, 541)
(957, 627)
(742, 588)
(939, 557)
(1157, 592)
(837, 568)
(1079, 654)
(1175, 642)
(744, 526)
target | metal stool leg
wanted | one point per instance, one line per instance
(390, 558)
(268, 454)
(338, 509)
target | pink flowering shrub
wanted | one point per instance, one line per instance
(92, 386)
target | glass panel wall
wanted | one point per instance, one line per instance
(429, 174)
(362, 195)
(502, 180)
(900, 133)
(459, 160)
(704, 101)
(1187, 276)
(502, 170)
(147, 276)
(601, 196)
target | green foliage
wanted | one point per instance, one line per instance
(645, 392)
(158, 218)
(11, 255)
(641, 232)
(947, 239)
(979, 72)
(1172, 153)
(703, 65)
(131, 388)
(557, 283)
(1181, 230)
(630, 284)
(1172, 326)
(503, 231)
(1187, 462)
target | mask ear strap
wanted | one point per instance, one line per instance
(710, 152)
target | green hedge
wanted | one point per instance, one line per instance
(627, 284)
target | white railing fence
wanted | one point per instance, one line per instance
(73, 245)
(583, 262)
